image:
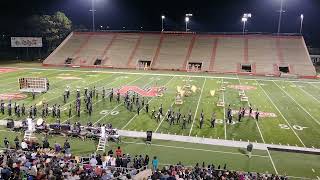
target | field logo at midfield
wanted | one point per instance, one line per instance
(7, 70)
(262, 114)
(148, 92)
(242, 87)
(12, 96)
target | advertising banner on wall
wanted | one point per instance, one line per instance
(26, 42)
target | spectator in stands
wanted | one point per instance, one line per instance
(112, 161)
(45, 144)
(118, 152)
(93, 161)
(57, 147)
(66, 147)
(24, 146)
(155, 163)
(6, 142)
(17, 142)
(146, 160)
(124, 160)
(110, 152)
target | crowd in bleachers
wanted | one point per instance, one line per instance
(209, 172)
(47, 164)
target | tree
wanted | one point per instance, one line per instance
(52, 28)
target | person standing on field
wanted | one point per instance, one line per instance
(249, 149)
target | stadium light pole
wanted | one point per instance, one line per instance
(162, 20)
(187, 19)
(280, 16)
(244, 19)
(93, 11)
(301, 22)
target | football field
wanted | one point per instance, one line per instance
(289, 109)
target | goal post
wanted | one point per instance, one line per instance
(29, 84)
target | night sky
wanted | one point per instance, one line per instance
(209, 15)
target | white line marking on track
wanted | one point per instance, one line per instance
(195, 114)
(274, 167)
(161, 74)
(312, 84)
(224, 115)
(142, 108)
(298, 104)
(281, 115)
(195, 149)
(309, 94)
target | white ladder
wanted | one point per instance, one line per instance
(102, 144)
(27, 135)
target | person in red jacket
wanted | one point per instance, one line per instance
(118, 152)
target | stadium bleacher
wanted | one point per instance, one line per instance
(249, 54)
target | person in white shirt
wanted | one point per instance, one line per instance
(24, 145)
(93, 161)
(105, 162)
(113, 161)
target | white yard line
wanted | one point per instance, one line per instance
(312, 84)
(224, 114)
(308, 93)
(162, 74)
(59, 96)
(195, 149)
(121, 103)
(274, 167)
(264, 142)
(15, 80)
(92, 104)
(281, 113)
(75, 90)
(163, 117)
(195, 113)
(142, 108)
(297, 103)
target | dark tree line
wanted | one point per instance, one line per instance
(52, 28)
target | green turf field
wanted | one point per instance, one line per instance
(291, 106)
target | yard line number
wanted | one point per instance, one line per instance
(296, 127)
(107, 112)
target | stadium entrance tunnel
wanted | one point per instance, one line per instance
(194, 66)
(246, 68)
(68, 61)
(97, 62)
(284, 69)
(144, 64)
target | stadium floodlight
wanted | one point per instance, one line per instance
(280, 16)
(187, 19)
(93, 11)
(244, 19)
(301, 22)
(162, 20)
